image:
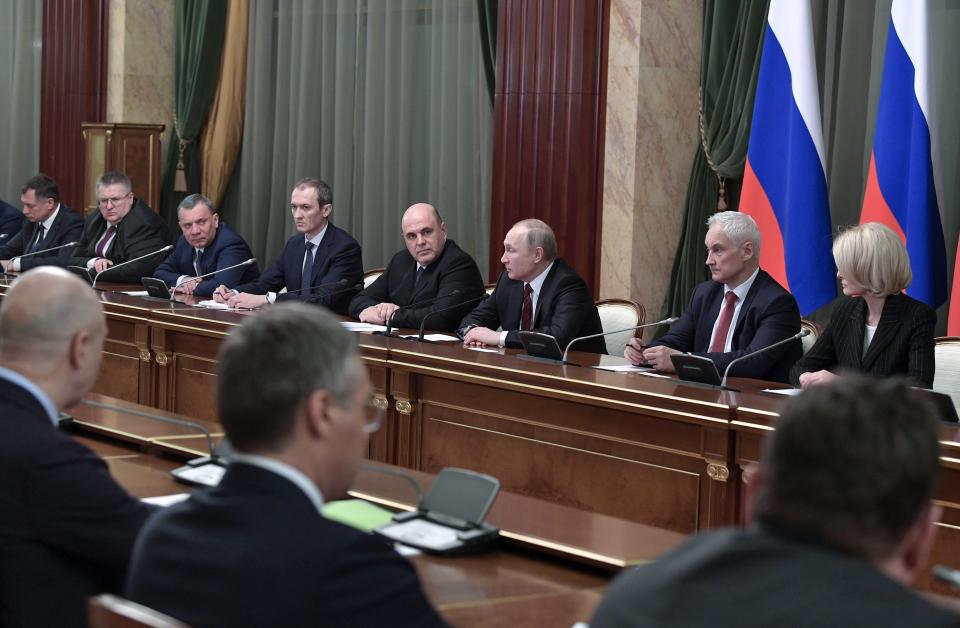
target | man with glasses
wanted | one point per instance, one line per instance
(256, 550)
(50, 225)
(124, 229)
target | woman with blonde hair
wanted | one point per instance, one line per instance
(875, 328)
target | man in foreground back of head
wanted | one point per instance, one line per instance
(66, 527)
(256, 550)
(843, 521)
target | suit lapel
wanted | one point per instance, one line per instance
(886, 330)
(745, 307)
(323, 252)
(712, 311)
(510, 317)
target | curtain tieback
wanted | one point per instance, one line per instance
(721, 180)
(180, 178)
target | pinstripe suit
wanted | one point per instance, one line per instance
(902, 344)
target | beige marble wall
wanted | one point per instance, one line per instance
(140, 63)
(651, 130)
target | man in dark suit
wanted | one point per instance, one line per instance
(739, 310)
(11, 221)
(321, 264)
(123, 230)
(49, 225)
(843, 521)
(537, 291)
(66, 527)
(431, 266)
(206, 246)
(256, 550)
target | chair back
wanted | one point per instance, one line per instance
(370, 276)
(946, 377)
(489, 288)
(620, 314)
(111, 611)
(810, 339)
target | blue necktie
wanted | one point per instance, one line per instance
(307, 270)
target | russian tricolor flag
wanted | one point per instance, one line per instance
(784, 181)
(901, 191)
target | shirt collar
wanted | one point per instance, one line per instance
(537, 282)
(19, 380)
(49, 221)
(317, 238)
(284, 470)
(742, 290)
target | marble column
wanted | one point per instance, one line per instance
(651, 134)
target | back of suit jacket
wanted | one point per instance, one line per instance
(66, 527)
(768, 314)
(66, 227)
(565, 310)
(337, 267)
(453, 270)
(227, 249)
(255, 552)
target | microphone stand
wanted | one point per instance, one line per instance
(666, 321)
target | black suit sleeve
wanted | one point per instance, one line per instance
(682, 335)
(571, 306)
(462, 276)
(487, 313)
(922, 359)
(374, 294)
(345, 268)
(14, 247)
(145, 237)
(232, 254)
(71, 230)
(823, 354)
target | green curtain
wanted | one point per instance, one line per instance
(732, 40)
(487, 14)
(200, 27)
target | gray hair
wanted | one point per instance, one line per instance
(273, 363)
(540, 234)
(114, 177)
(191, 201)
(738, 227)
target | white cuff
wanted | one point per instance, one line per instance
(503, 339)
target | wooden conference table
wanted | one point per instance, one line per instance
(652, 450)
(551, 568)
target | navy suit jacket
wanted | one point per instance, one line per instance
(140, 232)
(453, 270)
(11, 221)
(338, 258)
(66, 227)
(254, 551)
(565, 310)
(66, 527)
(768, 314)
(227, 249)
(902, 345)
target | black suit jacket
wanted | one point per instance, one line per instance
(227, 249)
(902, 345)
(757, 578)
(140, 232)
(255, 552)
(453, 270)
(565, 310)
(66, 227)
(338, 258)
(11, 221)
(66, 527)
(768, 314)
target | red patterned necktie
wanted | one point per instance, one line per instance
(526, 314)
(723, 326)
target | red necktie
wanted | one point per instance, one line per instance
(526, 314)
(723, 326)
(102, 244)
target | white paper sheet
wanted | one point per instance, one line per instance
(434, 337)
(166, 500)
(357, 326)
(789, 392)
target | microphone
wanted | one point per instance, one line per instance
(666, 321)
(129, 261)
(389, 330)
(52, 248)
(797, 336)
(252, 260)
(423, 323)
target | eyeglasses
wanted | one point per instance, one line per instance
(106, 202)
(376, 407)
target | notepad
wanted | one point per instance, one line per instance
(357, 513)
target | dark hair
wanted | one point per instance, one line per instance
(269, 367)
(114, 177)
(852, 464)
(43, 187)
(324, 193)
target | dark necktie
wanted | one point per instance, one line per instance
(526, 314)
(723, 326)
(196, 262)
(102, 244)
(307, 269)
(416, 281)
(36, 243)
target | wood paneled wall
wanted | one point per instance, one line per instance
(72, 87)
(549, 107)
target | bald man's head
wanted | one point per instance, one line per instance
(43, 311)
(424, 233)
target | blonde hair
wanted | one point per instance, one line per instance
(872, 255)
